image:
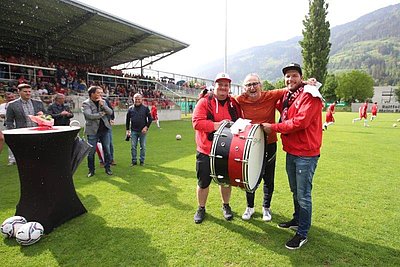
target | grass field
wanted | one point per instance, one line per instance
(143, 216)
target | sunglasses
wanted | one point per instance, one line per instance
(251, 84)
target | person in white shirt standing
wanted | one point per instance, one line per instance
(3, 109)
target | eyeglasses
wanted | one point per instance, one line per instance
(251, 84)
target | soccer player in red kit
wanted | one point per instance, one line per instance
(374, 111)
(363, 114)
(329, 119)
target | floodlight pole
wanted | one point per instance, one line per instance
(226, 37)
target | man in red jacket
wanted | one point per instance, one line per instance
(210, 112)
(301, 133)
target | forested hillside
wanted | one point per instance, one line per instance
(370, 43)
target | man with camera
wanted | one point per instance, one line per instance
(138, 121)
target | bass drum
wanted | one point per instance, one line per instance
(237, 159)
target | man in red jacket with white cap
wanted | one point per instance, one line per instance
(209, 114)
(301, 133)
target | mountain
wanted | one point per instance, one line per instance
(370, 43)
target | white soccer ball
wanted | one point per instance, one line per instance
(29, 233)
(394, 125)
(10, 226)
(398, 120)
(178, 137)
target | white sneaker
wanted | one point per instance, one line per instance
(248, 213)
(267, 214)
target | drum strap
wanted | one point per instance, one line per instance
(231, 109)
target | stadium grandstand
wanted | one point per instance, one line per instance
(64, 46)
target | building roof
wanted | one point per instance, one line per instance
(70, 30)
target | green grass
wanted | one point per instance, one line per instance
(143, 216)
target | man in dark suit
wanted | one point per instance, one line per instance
(59, 111)
(97, 126)
(19, 109)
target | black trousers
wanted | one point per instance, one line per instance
(268, 177)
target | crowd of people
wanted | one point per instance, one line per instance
(300, 125)
(50, 78)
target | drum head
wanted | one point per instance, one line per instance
(256, 154)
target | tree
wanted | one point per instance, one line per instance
(266, 85)
(397, 93)
(355, 86)
(279, 84)
(328, 89)
(315, 44)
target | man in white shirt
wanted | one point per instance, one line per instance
(3, 109)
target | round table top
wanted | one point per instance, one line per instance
(40, 130)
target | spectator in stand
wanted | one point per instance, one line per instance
(138, 121)
(42, 90)
(97, 127)
(3, 110)
(362, 112)
(22, 79)
(19, 109)
(82, 86)
(374, 111)
(301, 133)
(59, 111)
(329, 119)
(154, 114)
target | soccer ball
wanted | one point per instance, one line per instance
(178, 137)
(10, 226)
(29, 233)
(398, 120)
(394, 125)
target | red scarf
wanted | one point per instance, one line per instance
(288, 100)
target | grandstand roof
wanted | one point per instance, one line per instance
(70, 30)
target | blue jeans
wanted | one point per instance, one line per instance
(104, 138)
(111, 147)
(135, 136)
(300, 171)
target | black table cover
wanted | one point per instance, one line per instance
(43, 158)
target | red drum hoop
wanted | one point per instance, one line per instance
(237, 159)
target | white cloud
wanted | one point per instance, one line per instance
(201, 24)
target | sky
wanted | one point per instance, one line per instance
(201, 23)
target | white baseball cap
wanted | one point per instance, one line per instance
(222, 76)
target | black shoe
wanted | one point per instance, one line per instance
(109, 172)
(296, 242)
(90, 174)
(141, 163)
(290, 224)
(227, 211)
(199, 215)
(134, 163)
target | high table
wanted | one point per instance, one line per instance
(43, 158)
